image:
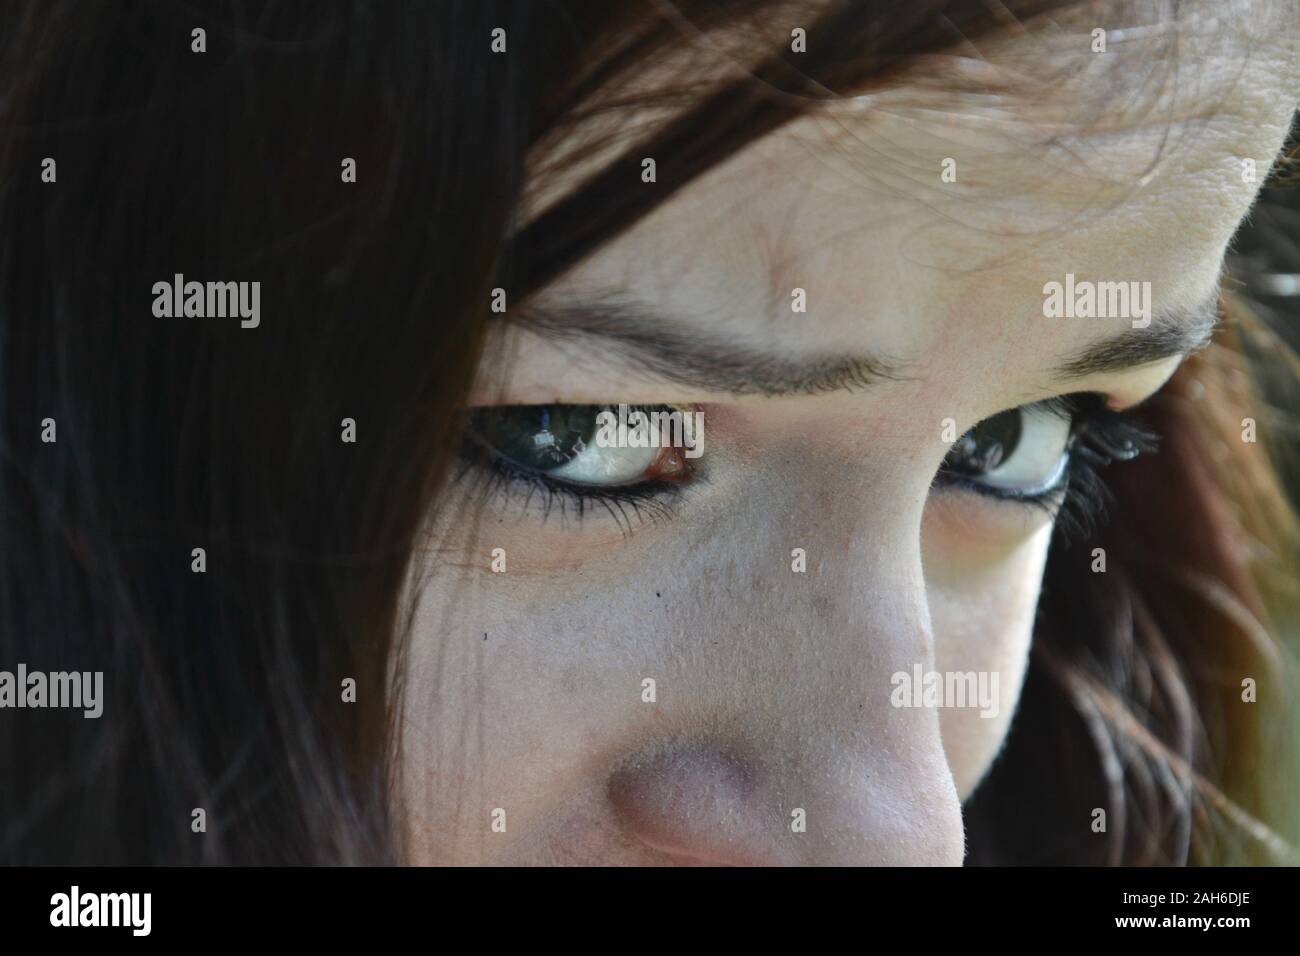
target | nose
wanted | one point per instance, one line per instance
(702, 803)
(695, 803)
(781, 741)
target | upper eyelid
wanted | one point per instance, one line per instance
(1061, 406)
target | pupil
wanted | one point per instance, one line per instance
(987, 445)
(540, 437)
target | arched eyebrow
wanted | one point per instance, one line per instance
(657, 346)
(661, 347)
(1172, 333)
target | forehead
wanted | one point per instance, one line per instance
(923, 221)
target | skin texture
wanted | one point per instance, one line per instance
(523, 690)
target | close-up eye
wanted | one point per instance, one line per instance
(578, 445)
(1022, 452)
(1037, 453)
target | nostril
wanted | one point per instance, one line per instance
(692, 801)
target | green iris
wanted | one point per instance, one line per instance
(537, 437)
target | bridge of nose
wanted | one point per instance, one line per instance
(776, 739)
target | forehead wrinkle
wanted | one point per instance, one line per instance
(1045, 79)
(1085, 173)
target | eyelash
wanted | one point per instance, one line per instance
(1099, 436)
(648, 502)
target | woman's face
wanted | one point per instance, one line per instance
(785, 589)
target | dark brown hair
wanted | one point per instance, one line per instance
(222, 689)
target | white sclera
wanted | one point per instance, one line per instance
(594, 465)
(1039, 458)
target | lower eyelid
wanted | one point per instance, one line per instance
(1057, 481)
(543, 498)
(1049, 498)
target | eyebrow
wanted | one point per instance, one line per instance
(1171, 333)
(659, 348)
(656, 347)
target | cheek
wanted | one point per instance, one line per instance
(982, 593)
